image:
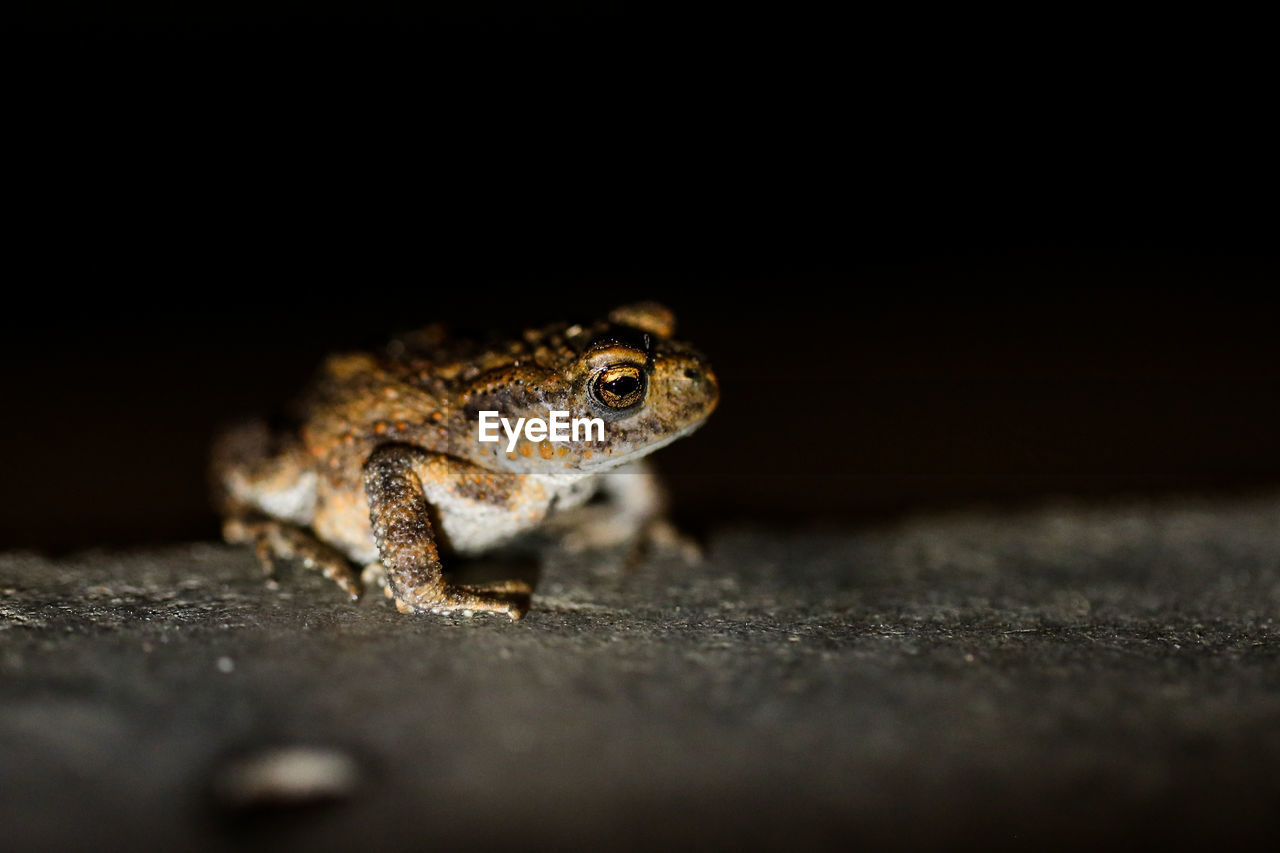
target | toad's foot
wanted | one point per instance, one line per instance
(596, 528)
(272, 539)
(498, 595)
(508, 597)
(663, 537)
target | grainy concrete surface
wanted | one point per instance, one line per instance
(1050, 679)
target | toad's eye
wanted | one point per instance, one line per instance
(619, 387)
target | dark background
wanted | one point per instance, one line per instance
(935, 261)
(939, 259)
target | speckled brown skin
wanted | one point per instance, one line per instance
(385, 465)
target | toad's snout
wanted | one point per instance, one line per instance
(699, 388)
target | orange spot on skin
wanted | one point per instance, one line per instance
(380, 428)
(402, 426)
(390, 393)
(525, 450)
(437, 416)
(587, 454)
(511, 456)
(563, 451)
(546, 451)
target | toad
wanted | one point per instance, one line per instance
(386, 466)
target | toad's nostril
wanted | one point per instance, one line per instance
(692, 374)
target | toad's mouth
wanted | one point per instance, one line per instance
(641, 452)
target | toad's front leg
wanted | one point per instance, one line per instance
(398, 512)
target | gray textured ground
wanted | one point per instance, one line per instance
(1023, 681)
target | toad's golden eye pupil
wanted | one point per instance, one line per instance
(620, 387)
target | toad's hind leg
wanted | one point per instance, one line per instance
(267, 495)
(272, 539)
(406, 542)
(629, 513)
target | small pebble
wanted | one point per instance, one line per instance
(286, 777)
